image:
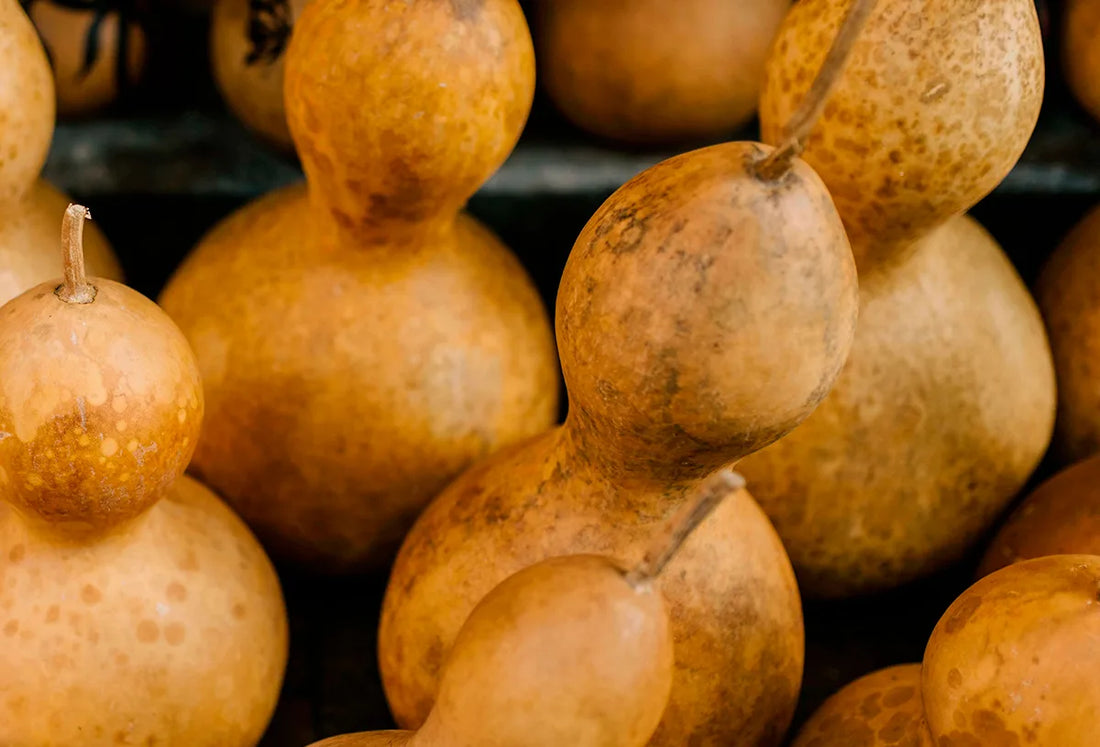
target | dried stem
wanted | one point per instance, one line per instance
(809, 109)
(710, 493)
(76, 288)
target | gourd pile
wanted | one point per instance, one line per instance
(358, 371)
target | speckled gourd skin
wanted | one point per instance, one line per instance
(64, 32)
(253, 90)
(363, 341)
(943, 410)
(881, 709)
(1068, 292)
(1061, 517)
(124, 585)
(673, 370)
(30, 208)
(1081, 52)
(645, 71)
(169, 631)
(934, 107)
(1013, 660)
(947, 402)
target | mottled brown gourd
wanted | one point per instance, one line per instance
(248, 41)
(946, 403)
(1081, 52)
(1013, 661)
(570, 651)
(122, 583)
(645, 71)
(86, 80)
(363, 340)
(881, 709)
(1068, 292)
(29, 207)
(1062, 517)
(683, 310)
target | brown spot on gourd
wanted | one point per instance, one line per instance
(90, 594)
(239, 611)
(898, 696)
(17, 553)
(148, 631)
(174, 633)
(960, 615)
(53, 613)
(176, 592)
(11, 627)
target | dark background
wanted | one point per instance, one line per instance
(152, 171)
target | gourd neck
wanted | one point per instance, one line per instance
(366, 230)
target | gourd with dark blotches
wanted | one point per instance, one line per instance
(705, 311)
(134, 606)
(361, 338)
(946, 404)
(29, 206)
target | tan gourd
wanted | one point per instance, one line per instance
(1068, 292)
(1013, 661)
(647, 71)
(248, 40)
(704, 312)
(881, 709)
(87, 79)
(363, 340)
(569, 651)
(29, 207)
(1062, 517)
(135, 608)
(947, 402)
(1081, 52)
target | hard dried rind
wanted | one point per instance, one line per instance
(1081, 52)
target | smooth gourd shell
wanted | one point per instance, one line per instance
(363, 340)
(881, 709)
(82, 89)
(26, 104)
(29, 252)
(1081, 52)
(1068, 292)
(932, 110)
(1062, 517)
(647, 71)
(248, 43)
(170, 631)
(945, 407)
(1014, 659)
(100, 405)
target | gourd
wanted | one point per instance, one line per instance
(946, 403)
(684, 305)
(29, 207)
(644, 71)
(1068, 292)
(1061, 517)
(1081, 52)
(93, 63)
(248, 41)
(881, 709)
(361, 338)
(570, 651)
(1013, 659)
(1010, 662)
(134, 606)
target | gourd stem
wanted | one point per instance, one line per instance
(76, 288)
(710, 493)
(802, 122)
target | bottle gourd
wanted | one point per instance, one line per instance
(570, 651)
(93, 64)
(946, 403)
(649, 71)
(361, 338)
(704, 311)
(248, 41)
(1011, 662)
(1069, 297)
(29, 206)
(135, 608)
(1081, 52)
